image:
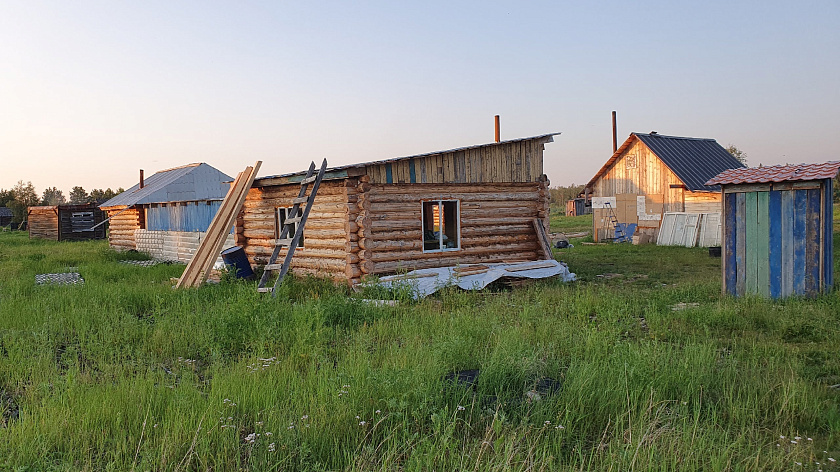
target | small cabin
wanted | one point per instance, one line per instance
(777, 230)
(462, 206)
(167, 214)
(6, 217)
(65, 222)
(650, 175)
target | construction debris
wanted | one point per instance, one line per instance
(65, 278)
(425, 282)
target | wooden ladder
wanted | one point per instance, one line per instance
(619, 236)
(296, 217)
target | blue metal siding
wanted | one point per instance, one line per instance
(189, 216)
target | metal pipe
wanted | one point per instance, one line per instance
(142, 183)
(615, 135)
(498, 134)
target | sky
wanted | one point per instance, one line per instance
(91, 92)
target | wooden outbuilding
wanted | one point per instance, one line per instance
(6, 216)
(777, 230)
(170, 208)
(651, 174)
(467, 205)
(66, 222)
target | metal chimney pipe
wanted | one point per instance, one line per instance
(615, 136)
(142, 183)
(498, 134)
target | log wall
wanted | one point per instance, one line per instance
(495, 224)
(325, 235)
(121, 227)
(43, 222)
(703, 202)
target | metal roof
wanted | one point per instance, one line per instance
(4, 211)
(692, 160)
(192, 182)
(549, 138)
(783, 173)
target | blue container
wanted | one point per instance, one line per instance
(235, 256)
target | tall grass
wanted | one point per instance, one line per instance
(125, 373)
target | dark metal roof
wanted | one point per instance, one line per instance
(549, 137)
(6, 211)
(760, 175)
(192, 182)
(693, 160)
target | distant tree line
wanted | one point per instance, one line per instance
(560, 195)
(23, 195)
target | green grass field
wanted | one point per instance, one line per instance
(125, 373)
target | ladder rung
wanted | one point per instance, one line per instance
(265, 289)
(309, 179)
(273, 267)
(300, 200)
(292, 220)
(283, 242)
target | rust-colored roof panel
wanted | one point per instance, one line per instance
(758, 175)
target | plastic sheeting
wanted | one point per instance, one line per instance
(425, 282)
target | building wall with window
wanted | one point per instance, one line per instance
(65, 222)
(379, 218)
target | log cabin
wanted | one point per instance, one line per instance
(65, 222)
(650, 174)
(166, 214)
(461, 206)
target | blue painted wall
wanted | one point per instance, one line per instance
(788, 244)
(188, 216)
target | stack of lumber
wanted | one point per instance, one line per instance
(200, 265)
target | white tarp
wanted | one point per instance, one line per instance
(425, 282)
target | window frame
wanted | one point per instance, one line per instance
(280, 220)
(441, 247)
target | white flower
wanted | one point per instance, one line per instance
(362, 423)
(797, 438)
(460, 408)
(304, 417)
(267, 433)
(547, 423)
(271, 447)
(378, 411)
(559, 426)
(251, 438)
(831, 459)
(292, 427)
(259, 423)
(793, 442)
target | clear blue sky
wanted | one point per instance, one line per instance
(90, 92)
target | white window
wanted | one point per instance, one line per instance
(280, 216)
(441, 225)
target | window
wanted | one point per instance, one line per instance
(81, 221)
(441, 231)
(280, 216)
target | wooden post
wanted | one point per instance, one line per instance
(498, 134)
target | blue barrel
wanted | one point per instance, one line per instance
(235, 256)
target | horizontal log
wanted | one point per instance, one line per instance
(292, 190)
(381, 268)
(386, 225)
(352, 271)
(328, 244)
(469, 251)
(394, 245)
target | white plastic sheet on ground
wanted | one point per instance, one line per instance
(425, 282)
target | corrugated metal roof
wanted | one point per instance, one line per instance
(6, 211)
(759, 175)
(192, 182)
(692, 160)
(549, 138)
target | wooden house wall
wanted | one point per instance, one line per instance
(703, 202)
(649, 177)
(778, 239)
(520, 161)
(68, 231)
(43, 222)
(325, 250)
(121, 227)
(496, 224)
